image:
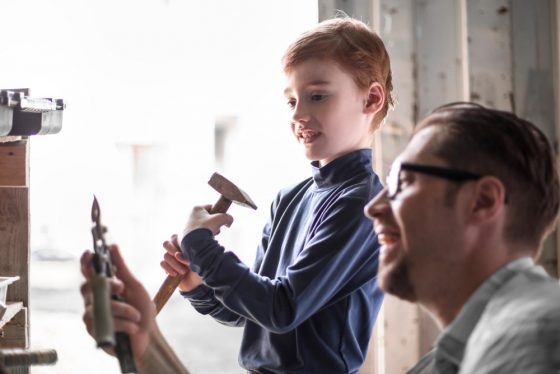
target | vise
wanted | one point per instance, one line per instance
(23, 115)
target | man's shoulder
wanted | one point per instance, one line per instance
(519, 328)
(528, 294)
(528, 303)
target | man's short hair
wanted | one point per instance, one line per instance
(498, 143)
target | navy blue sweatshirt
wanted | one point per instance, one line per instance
(310, 301)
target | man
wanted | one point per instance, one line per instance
(464, 214)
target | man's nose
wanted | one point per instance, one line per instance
(378, 205)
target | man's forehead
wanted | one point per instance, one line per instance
(419, 147)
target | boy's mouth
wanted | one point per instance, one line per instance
(307, 136)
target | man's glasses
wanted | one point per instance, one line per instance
(394, 177)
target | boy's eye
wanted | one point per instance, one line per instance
(291, 103)
(317, 97)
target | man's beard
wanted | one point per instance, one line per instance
(397, 282)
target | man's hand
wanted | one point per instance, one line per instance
(135, 316)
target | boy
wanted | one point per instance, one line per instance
(309, 302)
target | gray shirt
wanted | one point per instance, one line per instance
(511, 324)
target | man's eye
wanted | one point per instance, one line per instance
(405, 180)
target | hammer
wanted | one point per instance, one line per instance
(229, 193)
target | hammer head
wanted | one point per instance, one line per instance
(230, 191)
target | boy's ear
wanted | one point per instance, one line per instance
(375, 98)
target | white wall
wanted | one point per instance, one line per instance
(150, 76)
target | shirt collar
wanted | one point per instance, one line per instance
(342, 168)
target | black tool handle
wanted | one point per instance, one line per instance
(103, 325)
(123, 350)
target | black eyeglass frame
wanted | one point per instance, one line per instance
(455, 175)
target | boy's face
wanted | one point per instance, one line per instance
(329, 113)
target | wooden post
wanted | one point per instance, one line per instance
(20, 118)
(14, 240)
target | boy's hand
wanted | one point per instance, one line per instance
(175, 264)
(201, 218)
(173, 261)
(136, 316)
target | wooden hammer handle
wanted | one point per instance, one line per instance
(221, 206)
(171, 282)
(166, 290)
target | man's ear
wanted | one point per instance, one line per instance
(489, 198)
(375, 98)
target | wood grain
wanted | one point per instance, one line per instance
(13, 163)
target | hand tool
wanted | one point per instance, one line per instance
(229, 193)
(104, 333)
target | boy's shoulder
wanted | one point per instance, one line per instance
(294, 188)
(361, 189)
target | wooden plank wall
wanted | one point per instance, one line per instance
(501, 53)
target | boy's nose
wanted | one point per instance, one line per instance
(300, 114)
(378, 205)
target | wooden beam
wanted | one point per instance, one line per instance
(402, 336)
(12, 308)
(14, 240)
(16, 332)
(556, 75)
(14, 260)
(13, 163)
